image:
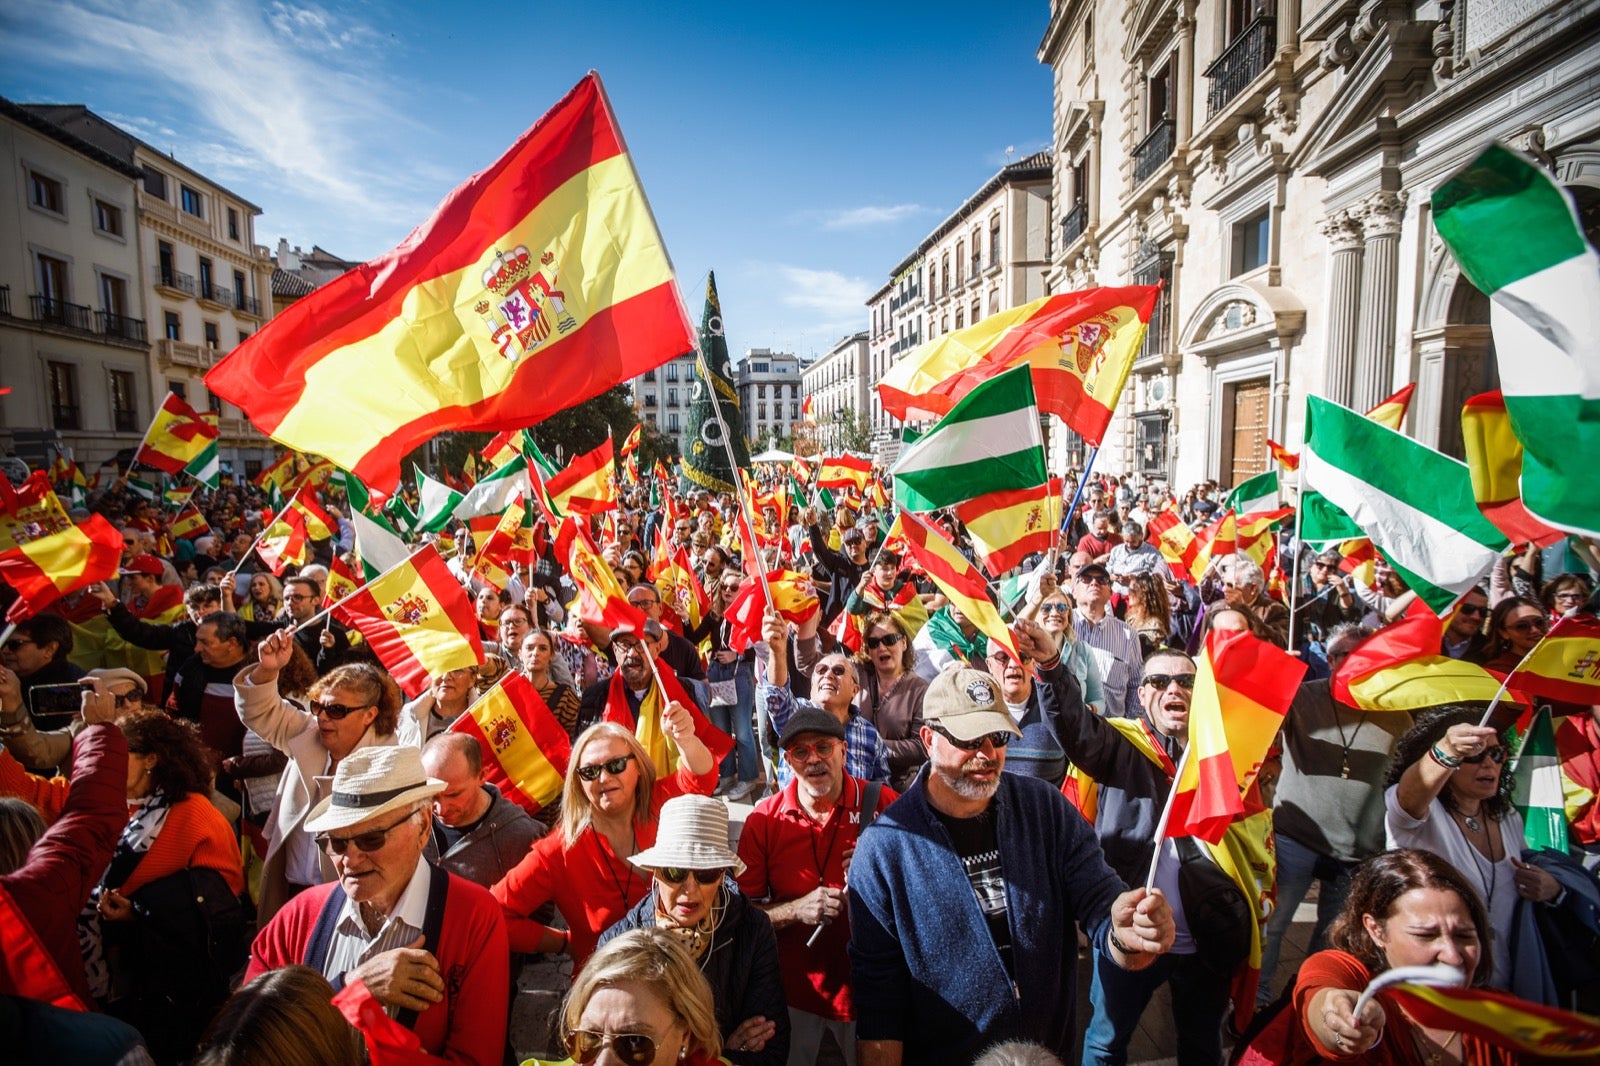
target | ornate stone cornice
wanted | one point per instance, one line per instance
(1343, 231)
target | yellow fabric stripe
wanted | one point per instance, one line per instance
(1425, 682)
(522, 759)
(1110, 367)
(438, 350)
(434, 642)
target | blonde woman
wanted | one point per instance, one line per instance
(643, 999)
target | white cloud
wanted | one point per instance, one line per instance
(862, 217)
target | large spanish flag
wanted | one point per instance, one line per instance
(538, 283)
(602, 600)
(1080, 345)
(1243, 688)
(45, 569)
(588, 484)
(1008, 526)
(417, 619)
(1503, 1020)
(958, 579)
(525, 750)
(177, 436)
(1494, 459)
(30, 511)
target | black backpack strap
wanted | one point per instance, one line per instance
(432, 925)
(322, 936)
(869, 804)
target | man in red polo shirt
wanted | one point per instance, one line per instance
(796, 846)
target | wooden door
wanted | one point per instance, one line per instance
(1250, 424)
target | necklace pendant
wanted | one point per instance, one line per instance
(1472, 824)
(1344, 771)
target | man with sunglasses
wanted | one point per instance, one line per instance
(1324, 600)
(1463, 635)
(1034, 705)
(797, 846)
(430, 946)
(834, 686)
(965, 894)
(1115, 644)
(51, 748)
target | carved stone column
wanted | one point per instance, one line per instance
(1344, 304)
(1381, 218)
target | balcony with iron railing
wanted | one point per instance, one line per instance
(214, 294)
(247, 304)
(173, 281)
(1073, 223)
(117, 327)
(59, 313)
(1155, 149)
(1247, 56)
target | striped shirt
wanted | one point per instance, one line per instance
(1123, 656)
(351, 944)
(865, 754)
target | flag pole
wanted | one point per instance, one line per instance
(1294, 579)
(341, 601)
(1166, 814)
(1077, 495)
(257, 542)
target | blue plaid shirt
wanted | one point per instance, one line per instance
(865, 754)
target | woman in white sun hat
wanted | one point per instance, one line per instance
(694, 898)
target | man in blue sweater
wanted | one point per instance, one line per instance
(963, 896)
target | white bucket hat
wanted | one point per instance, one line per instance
(372, 781)
(693, 835)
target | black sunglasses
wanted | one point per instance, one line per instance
(1185, 681)
(584, 1046)
(368, 842)
(1473, 609)
(1497, 753)
(874, 643)
(1530, 625)
(613, 767)
(677, 875)
(999, 739)
(17, 643)
(1054, 608)
(335, 711)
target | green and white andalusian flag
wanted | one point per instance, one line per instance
(204, 467)
(379, 547)
(1514, 232)
(436, 503)
(144, 489)
(1260, 493)
(1536, 786)
(1415, 503)
(988, 442)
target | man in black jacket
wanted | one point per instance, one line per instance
(174, 638)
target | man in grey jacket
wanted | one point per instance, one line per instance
(478, 833)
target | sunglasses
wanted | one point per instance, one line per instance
(831, 669)
(1497, 753)
(644, 603)
(17, 643)
(677, 875)
(1472, 610)
(1054, 608)
(335, 711)
(1530, 625)
(801, 753)
(129, 699)
(1185, 681)
(584, 1046)
(874, 643)
(614, 767)
(367, 842)
(1098, 579)
(999, 739)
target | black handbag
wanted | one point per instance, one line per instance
(190, 935)
(1215, 910)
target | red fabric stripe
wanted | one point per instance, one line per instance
(493, 772)
(267, 374)
(1206, 811)
(586, 364)
(1260, 672)
(968, 581)
(1389, 646)
(581, 467)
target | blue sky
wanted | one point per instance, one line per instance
(799, 150)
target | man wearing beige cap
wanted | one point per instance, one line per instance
(963, 896)
(430, 946)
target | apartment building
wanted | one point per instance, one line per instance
(769, 387)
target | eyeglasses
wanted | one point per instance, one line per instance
(644, 603)
(1529, 625)
(17, 643)
(1569, 595)
(335, 711)
(299, 596)
(887, 641)
(1005, 657)
(677, 875)
(831, 669)
(1054, 608)
(1497, 753)
(1472, 610)
(802, 753)
(635, 1049)
(999, 739)
(1185, 681)
(1320, 566)
(614, 767)
(368, 842)
(1097, 579)
(129, 699)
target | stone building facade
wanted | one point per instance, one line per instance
(769, 386)
(840, 384)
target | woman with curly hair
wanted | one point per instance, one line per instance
(1149, 611)
(352, 706)
(1449, 793)
(172, 828)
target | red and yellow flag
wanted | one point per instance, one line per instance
(1359, 559)
(849, 472)
(1288, 460)
(287, 538)
(958, 579)
(1243, 688)
(503, 448)
(677, 582)
(794, 597)
(1254, 537)
(46, 568)
(1494, 459)
(341, 582)
(587, 485)
(1400, 668)
(176, 437)
(538, 283)
(525, 750)
(1081, 346)
(30, 511)
(418, 620)
(1566, 664)
(1502, 1019)
(1392, 411)
(189, 523)
(808, 410)
(1006, 527)
(278, 473)
(646, 724)
(1176, 541)
(602, 601)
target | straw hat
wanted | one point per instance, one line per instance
(373, 781)
(693, 834)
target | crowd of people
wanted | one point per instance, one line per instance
(228, 837)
